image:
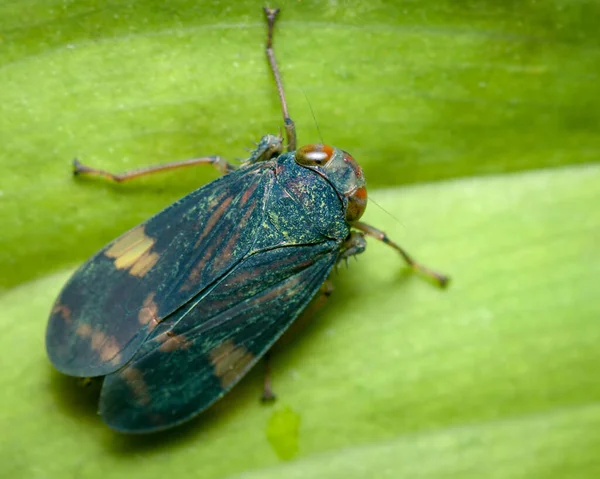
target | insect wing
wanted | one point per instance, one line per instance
(113, 302)
(181, 371)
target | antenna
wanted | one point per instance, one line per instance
(313, 115)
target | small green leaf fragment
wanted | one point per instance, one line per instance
(283, 432)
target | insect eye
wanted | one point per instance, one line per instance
(314, 155)
(357, 203)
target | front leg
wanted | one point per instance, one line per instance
(268, 147)
(440, 279)
(355, 244)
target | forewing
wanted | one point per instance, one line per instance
(117, 298)
(193, 358)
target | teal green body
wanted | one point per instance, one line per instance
(174, 312)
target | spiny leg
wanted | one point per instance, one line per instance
(440, 279)
(316, 304)
(290, 128)
(219, 163)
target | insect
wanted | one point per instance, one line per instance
(174, 312)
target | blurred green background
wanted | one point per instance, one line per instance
(477, 125)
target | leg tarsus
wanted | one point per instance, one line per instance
(85, 382)
(439, 279)
(267, 394)
(326, 289)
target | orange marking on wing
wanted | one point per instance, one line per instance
(135, 380)
(98, 339)
(284, 289)
(144, 264)
(246, 217)
(245, 276)
(241, 277)
(84, 330)
(172, 342)
(132, 251)
(110, 350)
(230, 361)
(194, 275)
(227, 252)
(247, 194)
(63, 310)
(135, 242)
(212, 221)
(215, 200)
(107, 347)
(148, 315)
(116, 359)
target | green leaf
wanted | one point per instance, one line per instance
(415, 92)
(495, 377)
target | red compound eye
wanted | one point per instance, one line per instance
(314, 155)
(357, 203)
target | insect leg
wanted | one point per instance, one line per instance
(308, 313)
(440, 279)
(268, 147)
(290, 128)
(267, 394)
(354, 244)
(219, 163)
